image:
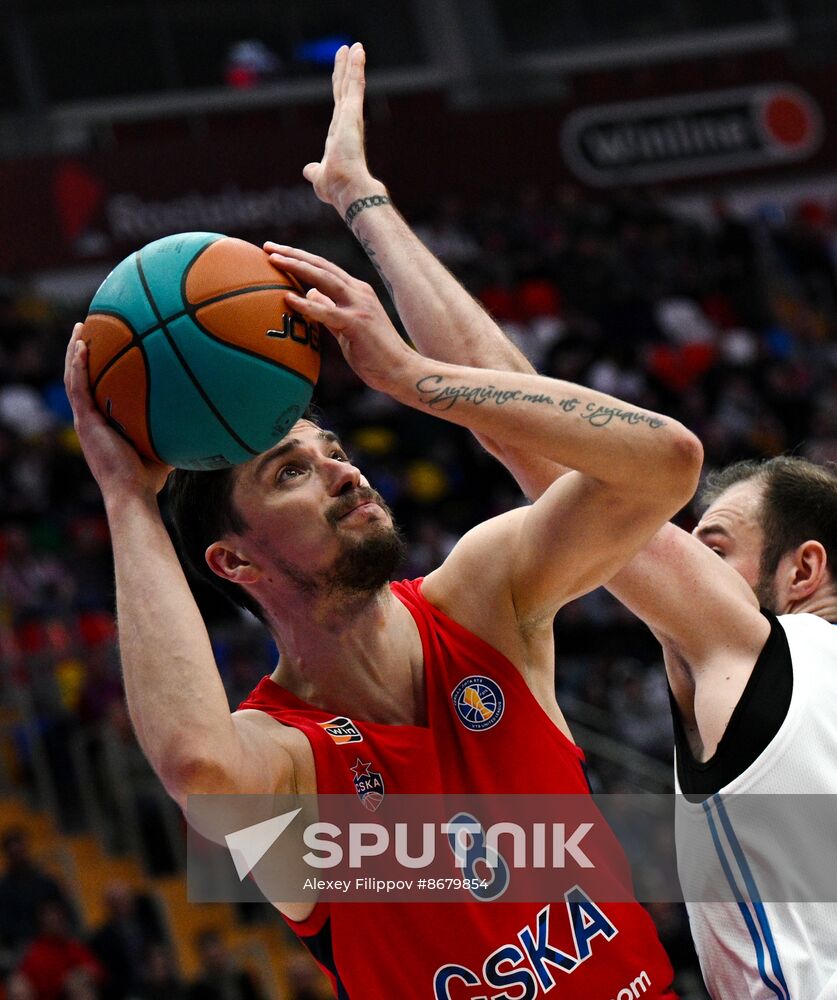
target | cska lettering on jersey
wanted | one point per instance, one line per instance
(531, 964)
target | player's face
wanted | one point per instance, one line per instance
(731, 527)
(313, 517)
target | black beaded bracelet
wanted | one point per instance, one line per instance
(356, 207)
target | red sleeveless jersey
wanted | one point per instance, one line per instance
(485, 734)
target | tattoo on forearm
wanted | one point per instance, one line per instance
(435, 394)
(356, 207)
(601, 416)
(373, 257)
(442, 397)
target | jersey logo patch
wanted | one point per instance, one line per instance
(369, 784)
(478, 702)
(342, 730)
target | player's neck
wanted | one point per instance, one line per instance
(822, 603)
(366, 663)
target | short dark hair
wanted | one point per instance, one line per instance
(202, 511)
(799, 503)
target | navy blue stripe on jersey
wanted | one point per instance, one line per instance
(747, 916)
(753, 891)
(321, 947)
(742, 906)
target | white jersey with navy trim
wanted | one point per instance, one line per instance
(767, 854)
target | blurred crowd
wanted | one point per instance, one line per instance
(726, 323)
(46, 953)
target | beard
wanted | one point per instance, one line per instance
(367, 564)
(363, 565)
(765, 588)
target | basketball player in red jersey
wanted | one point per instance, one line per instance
(754, 692)
(301, 534)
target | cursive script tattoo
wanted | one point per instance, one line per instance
(601, 416)
(568, 405)
(356, 207)
(442, 397)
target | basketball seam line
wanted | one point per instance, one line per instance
(194, 306)
(146, 363)
(202, 392)
(187, 267)
(252, 354)
(294, 287)
(135, 341)
(191, 311)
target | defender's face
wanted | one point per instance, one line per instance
(305, 503)
(731, 527)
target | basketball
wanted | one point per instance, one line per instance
(195, 356)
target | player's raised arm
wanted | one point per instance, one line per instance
(175, 696)
(442, 319)
(707, 620)
(635, 468)
(423, 290)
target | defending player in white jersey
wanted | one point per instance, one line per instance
(756, 694)
(757, 716)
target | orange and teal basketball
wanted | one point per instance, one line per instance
(194, 354)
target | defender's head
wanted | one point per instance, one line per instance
(775, 522)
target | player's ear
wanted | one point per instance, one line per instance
(807, 570)
(230, 564)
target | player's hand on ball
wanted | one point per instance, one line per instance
(351, 311)
(342, 175)
(114, 462)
